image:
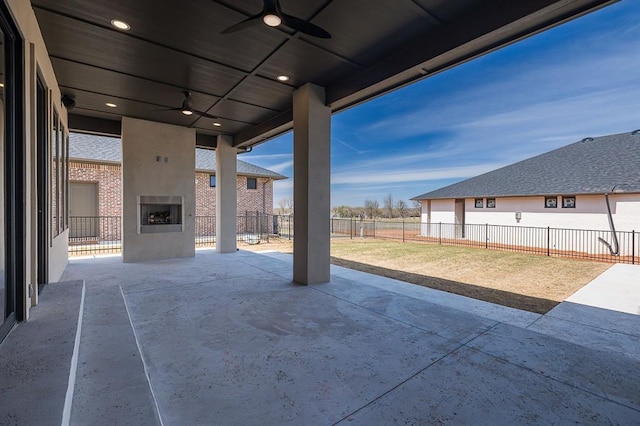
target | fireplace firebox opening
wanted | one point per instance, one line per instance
(159, 214)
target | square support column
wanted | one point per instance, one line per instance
(226, 195)
(311, 185)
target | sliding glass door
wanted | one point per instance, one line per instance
(5, 291)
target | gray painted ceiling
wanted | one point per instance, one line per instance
(173, 46)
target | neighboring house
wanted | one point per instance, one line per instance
(564, 188)
(96, 180)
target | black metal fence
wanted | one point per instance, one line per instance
(103, 235)
(252, 228)
(95, 234)
(573, 243)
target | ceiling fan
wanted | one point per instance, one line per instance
(273, 16)
(187, 107)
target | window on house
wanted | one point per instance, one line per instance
(491, 203)
(478, 203)
(550, 202)
(568, 202)
(212, 181)
(252, 183)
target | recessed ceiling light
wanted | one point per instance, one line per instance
(187, 112)
(1, 84)
(217, 124)
(121, 25)
(111, 105)
(283, 77)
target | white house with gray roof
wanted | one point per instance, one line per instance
(564, 188)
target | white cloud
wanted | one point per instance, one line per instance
(399, 174)
(281, 167)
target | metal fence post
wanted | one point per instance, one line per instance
(289, 226)
(351, 228)
(374, 228)
(486, 235)
(633, 247)
(403, 230)
(439, 232)
(548, 240)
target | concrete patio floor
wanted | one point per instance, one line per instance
(229, 339)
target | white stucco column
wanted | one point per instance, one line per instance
(226, 195)
(311, 185)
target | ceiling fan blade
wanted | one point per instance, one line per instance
(304, 26)
(169, 109)
(204, 114)
(249, 22)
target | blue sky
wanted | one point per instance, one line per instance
(577, 80)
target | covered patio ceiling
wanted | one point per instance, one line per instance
(171, 47)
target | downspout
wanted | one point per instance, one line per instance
(264, 196)
(616, 251)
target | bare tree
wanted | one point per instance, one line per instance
(343, 211)
(417, 207)
(285, 205)
(401, 205)
(388, 204)
(371, 208)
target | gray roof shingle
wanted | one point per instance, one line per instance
(108, 149)
(591, 166)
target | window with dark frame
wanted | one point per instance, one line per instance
(491, 203)
(55, 177)
(478, 203)
(568, 202)
(252, 183)
(212, 181)
(550, 202)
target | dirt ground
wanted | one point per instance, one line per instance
(523, 281)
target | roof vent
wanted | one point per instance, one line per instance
(587, 139)
(636, 132)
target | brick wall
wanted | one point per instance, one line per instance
(249, 200)
(255, 200)
(108, 177)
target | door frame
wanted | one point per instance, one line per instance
(14, 172)
(459, 216)
(42, 141)
(90, 219)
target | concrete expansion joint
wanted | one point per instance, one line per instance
(144, 364)
(594, 326)
(73, 369)
(398, 385)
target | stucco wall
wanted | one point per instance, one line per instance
(142, 143)
(36, 60)
(590, 212)
(442, 211)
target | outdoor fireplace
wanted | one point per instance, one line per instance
(159, 214)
